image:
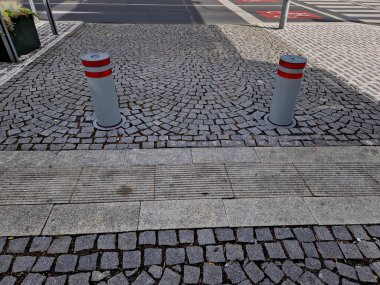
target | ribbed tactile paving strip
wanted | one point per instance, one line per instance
(341, 179)
(266, 180)
(192, 181)
(115, 184)
(373, 169)
(37, 186)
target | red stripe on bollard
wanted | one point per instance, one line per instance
(98, 74)
(289, 75)
(292, 65)
(99, 63)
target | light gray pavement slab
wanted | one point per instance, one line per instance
(345, 210)
(93, 218)
(88, 158)
(182, 214)
(27, 158)
(159, 156)
(224, 155)
(319, 154)
(268, 211)
(23, 220)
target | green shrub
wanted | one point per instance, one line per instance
(12, 9)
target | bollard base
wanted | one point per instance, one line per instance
(97, 126)
(291, 125)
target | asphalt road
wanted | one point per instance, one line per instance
(211, 11)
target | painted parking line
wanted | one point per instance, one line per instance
(249, 18)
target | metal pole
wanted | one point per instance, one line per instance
(284, 13)
(50, 17)
(7, 40)
(33, 8)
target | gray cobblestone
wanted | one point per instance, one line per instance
(304, 234)
(245, 235)
(291, 270)
(60, 245)
(170, 278)
(84, 242)
(152, 256)
(191, 274)
(234, 272)
(346, 270)
(33, 279)
(350, 251)
(224, 234)
(255, 252)
(275, 250)
(329, 249)
(215, 253)
(263, 234)
(127, 241)
(365, 274)
(194, 254)
(167, 238)
(23, 263)
(107, 241)
(79, 279)
(56, 280)
(17, 245)
(5, 263)
(66, 263)
(110, 260)
(274, 273)
(283, 233)
(369, 249)
(254, 273)
(212, 274)
(147, 238)
(186, 236)
(88, 262)
(131, 259)
(205, 236)
(323, 233)
(40, 244)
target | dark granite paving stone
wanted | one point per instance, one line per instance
(194, 254)
(254, 272)
(288, 282)
(23, 263)
(8, 280)
(291, 270)
(174, 256)
(304, 234)
(275, 250)
(5, 263)
(17, 245)
(212, 274)
(131, 259)
(358, 232)
(205, 236)
(234, 272)
(309, 278)
(310, 249)
(224, 234)
(234, 252)
(60, 245)
(84, 242)
(44, 263)
(40, 244)
(170, 278)
(330, 264)
(329, 277)
(147, 238)
(120, 279)
(191, 274)
(245, 282)
(131, 272)
(66, 263)
(348, 282)
(186, 236)
(369, 249)
(34, 279)
(376, 268)
(329, 249)
(263, 234)
(373, 230)
(167, 238)
(283, 233)
(350, 251)
(97, 276)
(56, 280)
(109, 260)
(79, 279)
(107, 242)
(323, 233)
(88, 262)
(274, 273)
(346, 270)
(267, 281)
(214, 253)
(152, 256)
(3, 240)
(245, 235)
(341, 233)
(312, 263)
(255, 252)
(155, 271)
(293, 249)
(365, 274)
(127, 241)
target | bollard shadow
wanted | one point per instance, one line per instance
(179, 86)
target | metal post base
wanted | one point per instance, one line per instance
(96, 125)
(291, 125)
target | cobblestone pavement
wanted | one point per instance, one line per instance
(46, 38)
(349, 51)
(280, 255)
(179, 86)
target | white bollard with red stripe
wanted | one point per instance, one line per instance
(97, 68)
(288, 85)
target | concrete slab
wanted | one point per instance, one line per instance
(182, 214)
(89, 158)
(268, 212)
(93, 218)
(31, 159)
(319, 154)
(23, 220)
(224, 155)
(157, 156)
(345, 210)
(6, 157)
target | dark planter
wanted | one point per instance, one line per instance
(24, 36)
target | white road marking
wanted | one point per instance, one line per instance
(377, 15)
(249, 18)
(352, 11)
(320, 12)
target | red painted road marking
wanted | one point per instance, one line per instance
(257, 1)
(295, 14)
